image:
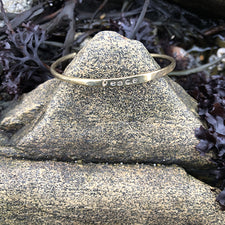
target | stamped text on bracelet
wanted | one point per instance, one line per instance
(119, 83)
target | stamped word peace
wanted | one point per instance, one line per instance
(119, 82)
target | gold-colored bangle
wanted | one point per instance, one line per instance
(114, 82)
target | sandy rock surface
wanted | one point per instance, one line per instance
(150, 122)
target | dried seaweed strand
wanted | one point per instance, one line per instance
(6, 19)
(140, 19)
(98, 10)
(71, 32)
(197, 69)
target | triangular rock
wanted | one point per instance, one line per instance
(150, 122)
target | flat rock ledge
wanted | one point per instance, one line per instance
(67, 193)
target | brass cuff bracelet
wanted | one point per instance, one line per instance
(114, 82)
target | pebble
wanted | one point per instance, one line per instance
(17, 6)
